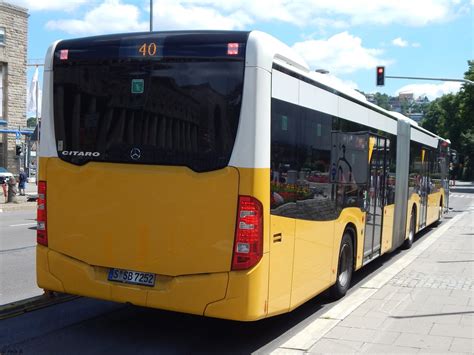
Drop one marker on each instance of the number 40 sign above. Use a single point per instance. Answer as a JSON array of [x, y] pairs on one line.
[[148, 49]]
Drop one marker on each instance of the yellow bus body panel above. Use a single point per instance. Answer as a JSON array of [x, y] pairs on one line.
[[433, 206], [282, 245], [165, 220], [247, 295], [194, 278], [44, 277], [387, 230], [314, 245], [247, 291], [316, 258]]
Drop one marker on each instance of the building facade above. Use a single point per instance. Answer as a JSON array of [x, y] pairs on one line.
[[13, 60]]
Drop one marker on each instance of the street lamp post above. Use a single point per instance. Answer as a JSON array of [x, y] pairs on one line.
[[38, 124], [151, 15]]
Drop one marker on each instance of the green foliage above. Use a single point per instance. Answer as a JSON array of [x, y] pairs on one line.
[[452, 116], [382, 100], [31, 122]]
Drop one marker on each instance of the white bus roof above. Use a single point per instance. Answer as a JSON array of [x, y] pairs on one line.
[[263, 50]]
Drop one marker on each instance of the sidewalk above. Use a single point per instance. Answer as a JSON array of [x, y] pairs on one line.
[[30, 190], [424, 302]]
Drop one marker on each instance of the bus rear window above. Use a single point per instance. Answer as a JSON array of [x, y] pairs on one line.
[[168, 110]]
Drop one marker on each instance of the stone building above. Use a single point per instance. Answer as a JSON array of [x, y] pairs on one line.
[[13, 51]]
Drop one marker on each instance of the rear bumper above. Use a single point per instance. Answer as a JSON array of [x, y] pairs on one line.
[[229, 295], [189, 294]]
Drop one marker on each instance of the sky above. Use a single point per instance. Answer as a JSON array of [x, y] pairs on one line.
[[349, 38]]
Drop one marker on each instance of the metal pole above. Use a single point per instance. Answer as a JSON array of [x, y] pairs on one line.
[[37, 120], [38, 64], [37, 101], [151, 15], [436, 79]]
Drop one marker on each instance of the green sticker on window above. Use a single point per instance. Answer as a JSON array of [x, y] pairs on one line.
[[318, 129], [284, 123], [138, 86]]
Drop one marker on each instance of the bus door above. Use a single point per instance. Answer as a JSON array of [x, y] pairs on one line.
[[375, 197], [424, 187]]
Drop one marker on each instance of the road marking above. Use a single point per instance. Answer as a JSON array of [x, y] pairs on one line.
[[16, 249], [23, 224], [313, 332], [462, 195]]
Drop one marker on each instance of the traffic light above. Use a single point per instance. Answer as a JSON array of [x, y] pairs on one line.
[[18, 149], [380, 74]]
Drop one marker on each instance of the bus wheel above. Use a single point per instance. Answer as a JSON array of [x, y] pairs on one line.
[[411, 234], [344, 268]]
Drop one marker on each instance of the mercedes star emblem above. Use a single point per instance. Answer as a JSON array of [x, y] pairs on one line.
[[135, 153]]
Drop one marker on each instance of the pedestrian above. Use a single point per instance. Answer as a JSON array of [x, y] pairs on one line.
[[3, 182], [452, 175], [22, 182]]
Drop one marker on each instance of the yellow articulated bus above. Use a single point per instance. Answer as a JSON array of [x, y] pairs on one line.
[[213, 173]]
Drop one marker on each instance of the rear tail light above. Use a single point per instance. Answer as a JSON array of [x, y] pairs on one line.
[[248, 244], [41, 219]]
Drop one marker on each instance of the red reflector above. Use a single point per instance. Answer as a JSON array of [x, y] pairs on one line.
[[41, 230], [248, 244], [63, 54], [232, 48]]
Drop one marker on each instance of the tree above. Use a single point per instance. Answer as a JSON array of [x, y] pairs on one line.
[[382, 100], [466, 113], [452, 116], [31, 122]]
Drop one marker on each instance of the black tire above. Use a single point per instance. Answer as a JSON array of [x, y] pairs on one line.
[[345, 267], [411, 232]]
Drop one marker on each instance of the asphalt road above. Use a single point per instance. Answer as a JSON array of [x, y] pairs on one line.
[[95, 327], [17, 256]]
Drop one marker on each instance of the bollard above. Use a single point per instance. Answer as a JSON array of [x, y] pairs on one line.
[[12, 191]]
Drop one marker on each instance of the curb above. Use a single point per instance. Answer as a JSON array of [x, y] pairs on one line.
[[17, 207], [34, 303]]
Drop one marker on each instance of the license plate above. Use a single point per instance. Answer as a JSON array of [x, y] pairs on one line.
[[132, 277]]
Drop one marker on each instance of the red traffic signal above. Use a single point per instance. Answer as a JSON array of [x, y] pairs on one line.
[[380, 75]]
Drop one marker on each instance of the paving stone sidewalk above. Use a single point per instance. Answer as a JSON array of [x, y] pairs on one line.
[[22, 201], [428, 307]]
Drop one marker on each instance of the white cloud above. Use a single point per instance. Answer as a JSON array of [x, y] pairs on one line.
[[354, 12], [174, 15], [122, 15], [399, 42], [341, 53], [49, 5], [110, 16], [432, 91]]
